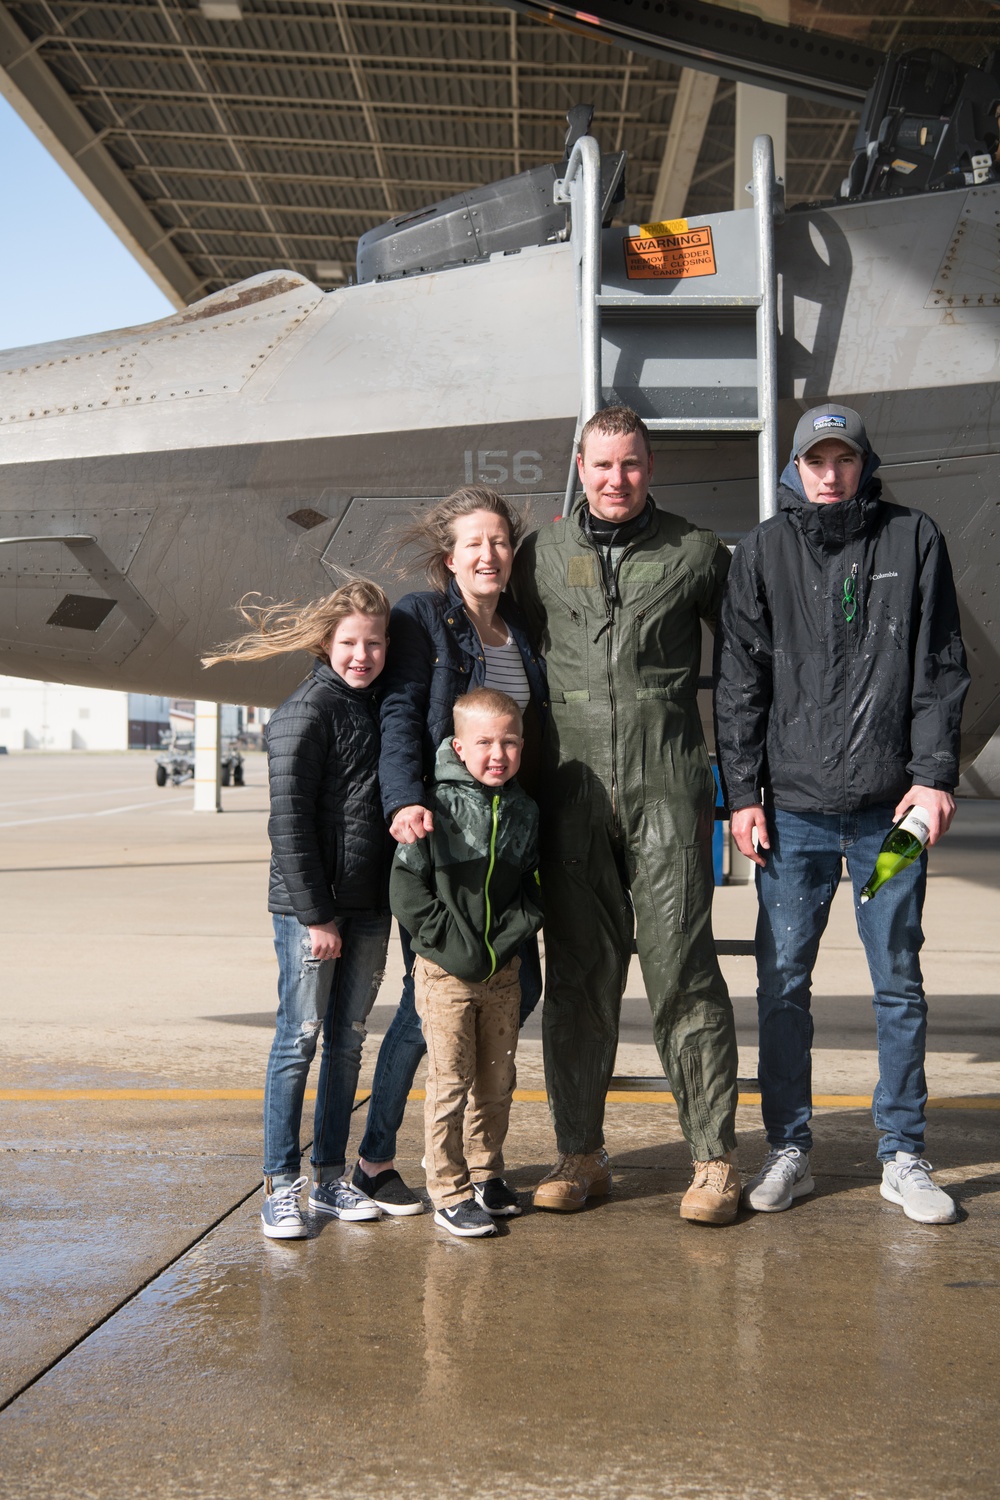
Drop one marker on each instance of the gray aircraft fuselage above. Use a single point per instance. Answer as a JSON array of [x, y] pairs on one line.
[[273, 434]]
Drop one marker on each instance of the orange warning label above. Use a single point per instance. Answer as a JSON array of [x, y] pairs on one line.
[[670, 257]]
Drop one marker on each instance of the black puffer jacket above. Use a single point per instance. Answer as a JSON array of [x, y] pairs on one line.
[[435, 655], [329, 847], [830, 714]]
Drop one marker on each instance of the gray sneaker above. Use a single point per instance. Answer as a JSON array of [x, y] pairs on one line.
[[342, 1201], [466, 1220], [785, 1175], [907, 1182], [281, 1216]]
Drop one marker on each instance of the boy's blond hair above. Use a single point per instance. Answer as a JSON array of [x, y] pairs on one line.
[[487, 703]]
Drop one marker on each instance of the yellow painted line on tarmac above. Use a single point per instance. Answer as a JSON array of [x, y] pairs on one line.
[[820, 1101], [116, 1096], [522, 1096]]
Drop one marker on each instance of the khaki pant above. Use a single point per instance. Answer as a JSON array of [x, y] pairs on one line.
[[471, 1035]]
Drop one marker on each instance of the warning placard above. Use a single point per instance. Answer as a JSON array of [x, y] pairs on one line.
[[670, 257]]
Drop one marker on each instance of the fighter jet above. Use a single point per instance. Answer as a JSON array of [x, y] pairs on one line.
[[273, 436]]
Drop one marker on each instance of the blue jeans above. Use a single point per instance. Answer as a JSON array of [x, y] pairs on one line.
[[403, 1046], [329, 995], [794, 892]]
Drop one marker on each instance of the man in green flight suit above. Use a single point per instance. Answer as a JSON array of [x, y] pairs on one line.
[[615, 596]]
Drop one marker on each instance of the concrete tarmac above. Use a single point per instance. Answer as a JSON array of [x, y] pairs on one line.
[[155, 1344]]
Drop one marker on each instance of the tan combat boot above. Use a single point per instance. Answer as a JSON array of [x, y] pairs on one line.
[[573, 1180], [714, 1195]]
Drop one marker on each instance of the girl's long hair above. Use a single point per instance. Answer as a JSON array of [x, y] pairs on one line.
[[432, 535], [280, 628]]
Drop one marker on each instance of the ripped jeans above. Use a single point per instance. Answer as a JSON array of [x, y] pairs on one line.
[[335, 996]]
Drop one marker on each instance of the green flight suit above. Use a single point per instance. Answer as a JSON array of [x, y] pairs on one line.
[[627, 801]]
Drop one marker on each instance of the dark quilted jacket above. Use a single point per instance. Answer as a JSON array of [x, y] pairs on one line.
[[329, 847], [435, 656]]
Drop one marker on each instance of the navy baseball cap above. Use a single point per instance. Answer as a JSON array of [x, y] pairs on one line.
[[822, 422]]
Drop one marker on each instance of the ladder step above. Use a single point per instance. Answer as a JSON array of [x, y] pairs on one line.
[[704, 424], [654, 302]]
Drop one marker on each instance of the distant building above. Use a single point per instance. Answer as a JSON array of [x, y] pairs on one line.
[[54, 716], [148, 717]]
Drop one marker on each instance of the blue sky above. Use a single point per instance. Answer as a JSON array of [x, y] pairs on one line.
[[63, 271]]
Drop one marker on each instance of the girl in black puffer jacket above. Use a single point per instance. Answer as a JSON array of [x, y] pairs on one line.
[[328, 890]]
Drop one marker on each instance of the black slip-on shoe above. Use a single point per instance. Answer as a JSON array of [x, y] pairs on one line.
[[388, 1190]]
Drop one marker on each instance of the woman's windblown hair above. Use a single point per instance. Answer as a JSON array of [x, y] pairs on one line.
[[432, 535], [277, 629]]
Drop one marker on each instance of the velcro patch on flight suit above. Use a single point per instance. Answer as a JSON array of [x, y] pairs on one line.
[[642, 571], [581, 573]]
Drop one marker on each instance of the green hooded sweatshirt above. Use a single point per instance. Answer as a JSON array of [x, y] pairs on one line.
[[468, 893]]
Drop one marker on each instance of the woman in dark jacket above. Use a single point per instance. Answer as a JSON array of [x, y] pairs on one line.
[[459, 635]]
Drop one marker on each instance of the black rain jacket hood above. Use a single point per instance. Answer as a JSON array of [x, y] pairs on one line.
[[825, 708]]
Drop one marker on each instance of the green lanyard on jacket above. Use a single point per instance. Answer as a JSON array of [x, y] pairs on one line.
[[486, 886]]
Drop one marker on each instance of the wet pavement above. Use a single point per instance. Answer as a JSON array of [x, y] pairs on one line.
[[155, 1344]]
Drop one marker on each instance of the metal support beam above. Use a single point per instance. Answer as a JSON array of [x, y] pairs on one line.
[[581, 189], [207, 757], [692, 108], [28, 85], [759, 112], [515, 93], [732, 44], [365, 104]]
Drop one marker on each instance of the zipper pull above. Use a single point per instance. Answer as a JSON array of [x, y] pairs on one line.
[[849, 601], [609, 617]]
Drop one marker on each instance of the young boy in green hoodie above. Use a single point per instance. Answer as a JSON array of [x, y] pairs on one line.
[[468, 896]]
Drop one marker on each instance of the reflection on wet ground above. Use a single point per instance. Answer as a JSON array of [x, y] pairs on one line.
[[156, 1345], [834, 1350]]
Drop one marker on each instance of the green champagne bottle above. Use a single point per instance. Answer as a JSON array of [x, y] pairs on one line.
[[903, 844]]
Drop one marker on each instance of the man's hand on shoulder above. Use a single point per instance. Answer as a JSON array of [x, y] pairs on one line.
[[940, 807], [742, 825], [411, 823]]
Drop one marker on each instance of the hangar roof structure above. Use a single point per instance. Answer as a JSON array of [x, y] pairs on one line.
[[221, 138]]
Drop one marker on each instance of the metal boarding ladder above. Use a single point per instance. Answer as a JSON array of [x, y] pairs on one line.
[[749, 291], [580, 188]]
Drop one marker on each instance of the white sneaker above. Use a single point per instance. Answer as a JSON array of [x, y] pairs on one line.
[[785, 1175], [907, 1181]]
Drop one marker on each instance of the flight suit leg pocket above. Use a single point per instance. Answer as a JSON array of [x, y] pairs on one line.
[[673, 887]]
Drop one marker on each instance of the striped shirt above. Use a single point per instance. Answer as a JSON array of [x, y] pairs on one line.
[[505, 673]]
